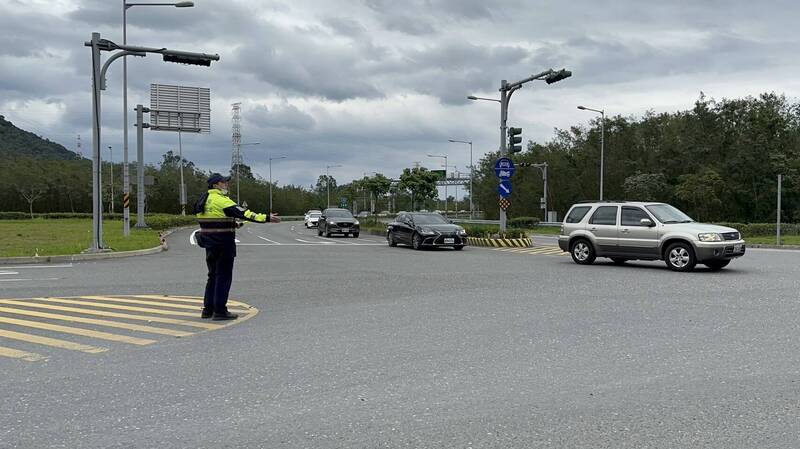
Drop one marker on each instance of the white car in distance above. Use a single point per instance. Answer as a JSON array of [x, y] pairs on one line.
[[312, 218]]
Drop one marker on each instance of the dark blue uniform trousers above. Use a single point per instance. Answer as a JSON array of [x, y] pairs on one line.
[[220, 277]]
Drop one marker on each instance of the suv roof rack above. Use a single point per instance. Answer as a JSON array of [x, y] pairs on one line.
[[603, 201]]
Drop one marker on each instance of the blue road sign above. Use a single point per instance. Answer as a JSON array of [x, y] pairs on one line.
[[504, 168], [504, 189]]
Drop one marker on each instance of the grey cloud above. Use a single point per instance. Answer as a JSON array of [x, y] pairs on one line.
[[283, 115], [395, 17], [345, 26]]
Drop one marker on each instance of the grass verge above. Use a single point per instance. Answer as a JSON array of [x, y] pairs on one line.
[[67, 236], [770, 240]]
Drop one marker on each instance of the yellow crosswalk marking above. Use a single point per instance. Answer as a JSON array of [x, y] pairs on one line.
[[105, 313], [77, 331], [118, 307], [150, 303], [48, 341], [192, 299], [107, 323], [23, 355]]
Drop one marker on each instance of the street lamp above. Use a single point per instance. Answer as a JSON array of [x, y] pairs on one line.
[[270, 180], [507, 89], [126, 181], [471, 173], [238, 163], [328, 181], [602, 142], [443, 156]]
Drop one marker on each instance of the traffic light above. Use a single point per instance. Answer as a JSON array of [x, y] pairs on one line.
[[558, 76], [185, 59], [514, 140]]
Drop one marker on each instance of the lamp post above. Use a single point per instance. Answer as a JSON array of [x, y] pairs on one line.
[[471, 173], [443, 156], [602, 142], [111, 163], [238, 163], [328, 181], [507, 89], [126, 181], [270, 180]]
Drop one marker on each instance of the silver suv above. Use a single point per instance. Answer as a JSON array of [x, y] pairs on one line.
[[625, 231]]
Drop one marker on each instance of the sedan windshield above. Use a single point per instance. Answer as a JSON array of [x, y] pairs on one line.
[[668, 214], [339, 213], [429, 219], [315, 214]]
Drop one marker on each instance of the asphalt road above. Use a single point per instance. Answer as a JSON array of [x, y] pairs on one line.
[[353, 344]]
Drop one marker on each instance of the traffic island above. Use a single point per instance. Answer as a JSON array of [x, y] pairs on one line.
[[498, 242]]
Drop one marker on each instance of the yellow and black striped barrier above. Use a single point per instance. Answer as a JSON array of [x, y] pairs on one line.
[[126, 200], [500, 243]]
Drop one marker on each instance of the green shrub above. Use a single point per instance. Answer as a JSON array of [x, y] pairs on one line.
[[763, 229], [489, 231], [162, 222], [523, 222]]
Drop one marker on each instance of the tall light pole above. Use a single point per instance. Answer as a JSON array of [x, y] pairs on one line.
[[111, 163], [126, 181], [270, 179], [328, 181], [602, 142], [444, 156], [507, 89], [238, 163], [471, 174]]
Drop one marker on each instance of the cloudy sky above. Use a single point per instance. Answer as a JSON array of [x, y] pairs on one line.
[[375, 85]]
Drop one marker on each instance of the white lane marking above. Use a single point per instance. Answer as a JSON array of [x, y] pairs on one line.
[[16, 280], [235, 240], [271, 241], [67, 265], [192, 238], [337, 241], [307, 244], [306, 241], [8, 272]]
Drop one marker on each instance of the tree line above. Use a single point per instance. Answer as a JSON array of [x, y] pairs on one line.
[[718, 161]]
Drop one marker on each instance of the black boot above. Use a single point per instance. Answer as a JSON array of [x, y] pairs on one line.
[[219, 316], [207, 313]]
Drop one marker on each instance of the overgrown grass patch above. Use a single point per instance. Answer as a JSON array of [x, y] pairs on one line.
[[67, 236]]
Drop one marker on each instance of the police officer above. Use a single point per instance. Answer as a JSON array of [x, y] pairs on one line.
[[217, 216]]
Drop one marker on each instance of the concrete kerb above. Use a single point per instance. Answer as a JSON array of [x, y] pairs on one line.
[[97, 256]]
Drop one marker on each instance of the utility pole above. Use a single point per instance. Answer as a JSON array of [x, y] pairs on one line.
[[183, 185], [543, 168], [236, 141], [111, 157], [778, 227], [140, 194], [328, 181]]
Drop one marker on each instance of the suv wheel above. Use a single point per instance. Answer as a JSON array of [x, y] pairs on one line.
[[582, 252], [716, 265], [319, 232], [680, 257]]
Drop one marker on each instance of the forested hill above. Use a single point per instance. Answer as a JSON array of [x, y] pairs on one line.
[[18, 143]]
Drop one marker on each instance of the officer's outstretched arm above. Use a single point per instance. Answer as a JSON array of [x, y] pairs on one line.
[[242, 213]]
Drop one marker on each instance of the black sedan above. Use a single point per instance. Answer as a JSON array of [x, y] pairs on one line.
[[338, 221], [420, 230]]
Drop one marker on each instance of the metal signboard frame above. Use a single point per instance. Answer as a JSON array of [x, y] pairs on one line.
[[180, 108]]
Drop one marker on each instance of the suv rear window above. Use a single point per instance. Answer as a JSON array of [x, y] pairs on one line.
[[605, 215], [577, 214]]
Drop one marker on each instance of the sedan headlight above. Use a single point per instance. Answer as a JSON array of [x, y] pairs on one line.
[[333, 223], [709, 237], [462, 232], [355, 222], [425, 231]]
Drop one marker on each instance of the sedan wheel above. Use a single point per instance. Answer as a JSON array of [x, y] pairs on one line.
[[680, 257], [416, 241], [390, 239]]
